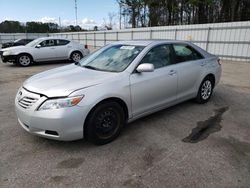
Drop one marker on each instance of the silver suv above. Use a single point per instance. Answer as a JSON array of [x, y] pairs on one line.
[[117, 84]]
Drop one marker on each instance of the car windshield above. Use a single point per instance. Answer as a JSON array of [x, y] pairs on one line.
[[18, 40], [33, 43], [115, 58]]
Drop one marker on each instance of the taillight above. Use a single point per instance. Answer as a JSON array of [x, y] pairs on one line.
[[86, 46], [218, 60]]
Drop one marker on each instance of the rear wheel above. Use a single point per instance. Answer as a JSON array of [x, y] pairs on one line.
[[105, 123], [24, 60], [76, 56], [205, 90]]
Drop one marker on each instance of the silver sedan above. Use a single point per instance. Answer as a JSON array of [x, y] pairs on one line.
[[117, 84], [44, 49]]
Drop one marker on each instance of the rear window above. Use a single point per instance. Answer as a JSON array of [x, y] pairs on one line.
[[62, 42], [185, 52]]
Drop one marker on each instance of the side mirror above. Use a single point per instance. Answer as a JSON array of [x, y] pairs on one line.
[[145, 67], [38, 46]]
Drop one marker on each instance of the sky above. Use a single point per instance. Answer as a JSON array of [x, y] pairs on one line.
[[90, 12]]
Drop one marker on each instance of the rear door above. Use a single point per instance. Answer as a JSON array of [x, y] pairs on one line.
[[189, 66], [62, 48]]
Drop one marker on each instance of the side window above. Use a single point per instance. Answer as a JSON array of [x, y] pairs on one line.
[[22, 41], [185, 52], [62, 42], [47, 43], [159, 56]]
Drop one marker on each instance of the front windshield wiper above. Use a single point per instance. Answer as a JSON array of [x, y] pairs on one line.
[[90, 67]]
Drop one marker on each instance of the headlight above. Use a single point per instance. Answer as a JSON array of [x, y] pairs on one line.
[[60, 103], [7, 52]]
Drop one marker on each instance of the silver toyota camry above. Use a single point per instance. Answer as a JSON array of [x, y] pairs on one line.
[[119, 83]]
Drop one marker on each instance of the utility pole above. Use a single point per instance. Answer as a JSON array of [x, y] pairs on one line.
[[60, 25], [76, 10], [120, 14]]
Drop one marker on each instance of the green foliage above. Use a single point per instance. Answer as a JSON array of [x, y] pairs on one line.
[[31, 27], [11, 27]]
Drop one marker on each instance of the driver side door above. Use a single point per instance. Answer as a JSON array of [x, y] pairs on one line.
[[46, 51], [153, 90]]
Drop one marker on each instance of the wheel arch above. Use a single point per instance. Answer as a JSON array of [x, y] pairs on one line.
[[25, 53], [75, 50], [118, 100], [212, 77]]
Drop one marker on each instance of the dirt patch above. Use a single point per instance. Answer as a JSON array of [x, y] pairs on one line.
[[70, 163], [132, 183], [15, 79], [207, 127], [57, 179]]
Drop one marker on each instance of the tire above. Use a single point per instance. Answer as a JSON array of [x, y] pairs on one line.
[[205, 91], [104, 123], [24, 60], [76, 56]]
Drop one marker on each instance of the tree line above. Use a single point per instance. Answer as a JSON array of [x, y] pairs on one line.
[[146, 13], [35, 27]]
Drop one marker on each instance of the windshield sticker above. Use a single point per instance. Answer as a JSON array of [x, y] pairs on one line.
[[127, 47]]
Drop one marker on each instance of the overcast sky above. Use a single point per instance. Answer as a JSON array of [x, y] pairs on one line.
[[90, 12]]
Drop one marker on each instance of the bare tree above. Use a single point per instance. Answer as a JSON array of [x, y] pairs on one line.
[[109, 23]]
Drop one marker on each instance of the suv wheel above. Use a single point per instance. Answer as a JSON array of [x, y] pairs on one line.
[[105, 123]]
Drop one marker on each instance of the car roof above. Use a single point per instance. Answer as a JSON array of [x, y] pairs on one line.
[[162, 41], [45, 38], [148, 42]]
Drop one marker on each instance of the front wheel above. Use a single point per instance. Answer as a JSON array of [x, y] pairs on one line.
[[205, 91], [24, 60], [76, 56], [105, 123]]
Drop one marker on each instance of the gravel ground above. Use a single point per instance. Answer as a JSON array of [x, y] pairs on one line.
[[188, 145]]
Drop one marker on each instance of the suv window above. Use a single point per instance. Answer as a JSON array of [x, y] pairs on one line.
[[62, 42], [47, 43], [185, 52], [159, 56]]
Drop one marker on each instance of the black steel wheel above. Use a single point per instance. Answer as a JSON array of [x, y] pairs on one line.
[[105, 123]]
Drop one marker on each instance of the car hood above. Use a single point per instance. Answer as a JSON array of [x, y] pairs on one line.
[[64, 80], [15, 48]]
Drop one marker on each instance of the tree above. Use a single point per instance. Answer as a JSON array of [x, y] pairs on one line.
[[110, 23], [173, 12], [11, 27]]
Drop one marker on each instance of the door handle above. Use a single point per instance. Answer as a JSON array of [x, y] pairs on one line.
[[172, 72]]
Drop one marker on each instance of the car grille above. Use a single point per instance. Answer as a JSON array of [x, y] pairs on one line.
[[27, 102]]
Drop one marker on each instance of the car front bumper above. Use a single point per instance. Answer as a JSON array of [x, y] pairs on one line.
[[8, 58], [64, 124]]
